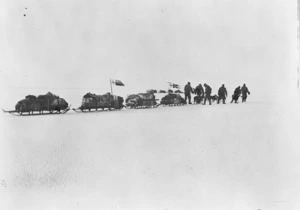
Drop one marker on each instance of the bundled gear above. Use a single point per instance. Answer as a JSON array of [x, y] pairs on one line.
[[48, 102], [92, 101], [141, 100], [198, 99], [172, 99], [151, 91]]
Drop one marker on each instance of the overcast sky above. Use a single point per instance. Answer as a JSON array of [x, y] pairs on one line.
[[70, 44]]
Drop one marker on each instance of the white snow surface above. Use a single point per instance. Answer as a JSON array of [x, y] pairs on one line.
[[233, 157]]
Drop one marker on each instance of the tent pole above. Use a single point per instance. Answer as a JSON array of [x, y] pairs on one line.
[[111, 90]]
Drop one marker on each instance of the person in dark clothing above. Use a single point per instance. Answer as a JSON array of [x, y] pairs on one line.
[[245, 91], [236, 95], [187, 92], [207, 94], [222, 94], [199, 90]]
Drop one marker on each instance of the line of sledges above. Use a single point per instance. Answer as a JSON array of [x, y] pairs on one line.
[[52, 104]]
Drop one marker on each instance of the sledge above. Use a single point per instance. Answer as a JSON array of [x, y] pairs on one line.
[[80, 110], [141, 101], [40, 105], [99, 103], [127, 106], [35, 113], [172, 105]]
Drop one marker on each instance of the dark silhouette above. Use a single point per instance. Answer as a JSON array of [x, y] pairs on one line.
[[245, 91], [187, 92], [236, 95], [198, 99], [214, 98], [207, 94], [222, 94], [199, 91]]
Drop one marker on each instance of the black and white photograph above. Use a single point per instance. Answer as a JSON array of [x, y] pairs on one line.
[[150, 104]]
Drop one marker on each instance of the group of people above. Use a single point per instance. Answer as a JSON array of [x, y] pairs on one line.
[[205, 93]]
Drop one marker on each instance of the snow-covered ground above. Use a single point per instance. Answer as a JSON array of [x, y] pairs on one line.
[[219, 157], [233, 157]]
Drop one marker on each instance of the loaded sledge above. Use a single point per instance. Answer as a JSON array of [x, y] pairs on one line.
[[40, 105], [95, 103], [172, 99], [141, 101]]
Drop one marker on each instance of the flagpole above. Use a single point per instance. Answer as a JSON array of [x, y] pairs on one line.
[[111, 91]]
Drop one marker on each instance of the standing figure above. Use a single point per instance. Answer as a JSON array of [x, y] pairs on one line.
[[187, 92], [207, 94], [236, 95], [245, 91], [222, 94], [199, 91]]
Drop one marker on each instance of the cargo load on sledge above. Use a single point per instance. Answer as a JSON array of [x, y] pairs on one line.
[[49, 103], [141, 100], [172, 99], [94, 102]]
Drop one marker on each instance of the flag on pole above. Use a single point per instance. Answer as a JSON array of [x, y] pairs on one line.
[[115, 82], [173, 85], [118, 82]]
